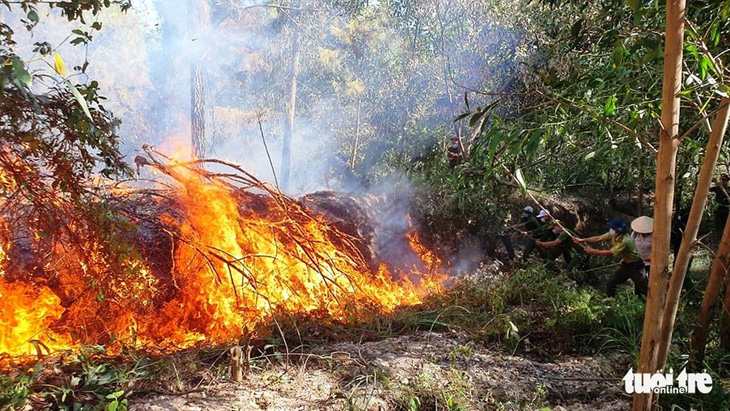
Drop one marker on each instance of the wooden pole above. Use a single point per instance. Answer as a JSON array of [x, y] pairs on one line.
[[665, 179]]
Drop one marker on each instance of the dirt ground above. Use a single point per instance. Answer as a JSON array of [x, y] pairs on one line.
[[424, 371]]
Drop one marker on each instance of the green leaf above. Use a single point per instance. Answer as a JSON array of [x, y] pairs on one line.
[[710, 63], [705, 63], [33, 16], [521, 181], [692, 49], [618, 56], [715, 35], [575, 30], [686, 92], [20, 72], [473, 120], [460, 116], [37, 369], [466, 99], [494, 144], [484, 126], [80, 99], [610, 106]]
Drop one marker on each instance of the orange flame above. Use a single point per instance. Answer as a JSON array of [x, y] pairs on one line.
[[236, 260]]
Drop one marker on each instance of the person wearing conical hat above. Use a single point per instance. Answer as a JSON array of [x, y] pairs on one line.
[[642, 229], [623, 247]]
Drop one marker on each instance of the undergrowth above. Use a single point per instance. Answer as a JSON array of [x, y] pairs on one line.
[[529, 310]]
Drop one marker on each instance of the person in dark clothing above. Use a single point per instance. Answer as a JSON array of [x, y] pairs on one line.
[[722, 203], [679, 222], [454, 154], [562, 244], [528, 223], [491, 245], [540, 229], [545, 231], [623, 247]]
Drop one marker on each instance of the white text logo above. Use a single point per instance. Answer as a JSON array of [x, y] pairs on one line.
[[660, 383]]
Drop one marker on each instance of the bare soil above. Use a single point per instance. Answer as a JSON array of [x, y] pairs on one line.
[[425, 371]]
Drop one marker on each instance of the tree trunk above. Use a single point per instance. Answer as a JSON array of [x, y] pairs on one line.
[[665, 178], [689, 237], [712, 293], [290, 110], [200, 24], [197, 115]]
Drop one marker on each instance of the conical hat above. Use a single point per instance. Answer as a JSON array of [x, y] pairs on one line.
[[643, 225]]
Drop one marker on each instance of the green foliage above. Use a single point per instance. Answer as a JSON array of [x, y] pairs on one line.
[[621, 326], [424, 392], [56, 138], [14, 391], [85, 382], [717, 399], [593, 102]]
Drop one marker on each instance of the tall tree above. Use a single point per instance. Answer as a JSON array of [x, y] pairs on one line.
[[200, 24], [664, 194], [291, 107]]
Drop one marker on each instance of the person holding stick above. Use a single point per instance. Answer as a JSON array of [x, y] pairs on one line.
[[563, 244], [623, 247], [529, 223], [542, 231]]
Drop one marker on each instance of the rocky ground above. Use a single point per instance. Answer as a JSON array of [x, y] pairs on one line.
[[424, 371]]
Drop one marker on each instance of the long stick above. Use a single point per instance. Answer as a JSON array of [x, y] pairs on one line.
[[601, 268], [541, 206]]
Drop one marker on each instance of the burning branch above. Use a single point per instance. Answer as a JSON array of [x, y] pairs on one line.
[[214, 254]]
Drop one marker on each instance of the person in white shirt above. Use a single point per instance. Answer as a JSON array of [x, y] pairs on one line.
[[643, 227]]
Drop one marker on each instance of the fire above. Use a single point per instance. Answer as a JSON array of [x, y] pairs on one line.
[[236, 257]]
